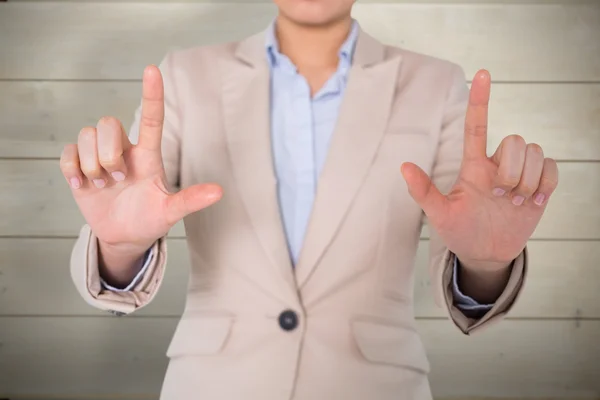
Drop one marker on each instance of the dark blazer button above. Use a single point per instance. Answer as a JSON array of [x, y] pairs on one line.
[[117, 313], [288, 320]]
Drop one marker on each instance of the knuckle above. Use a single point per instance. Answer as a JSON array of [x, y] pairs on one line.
[[108, 119], [87, 133], [109, 126], [90, 168], [68, 151], [516, 139], [526, 189], [90, 172], [551, 164], [110, 161], [535, 149], [508, 181], [69, 158], [68, 164], [478, 130], [481, 130], [550, 174], [150, 122], [548, 182]]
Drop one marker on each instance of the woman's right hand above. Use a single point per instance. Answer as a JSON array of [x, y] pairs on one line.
[[121, 188]]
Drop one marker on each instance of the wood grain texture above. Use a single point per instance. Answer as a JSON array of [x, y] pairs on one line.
[[38, 118], [564, 281], [65, 64], [106, 356], [155, 397], [36, 201], [553, 42], [543, 2]]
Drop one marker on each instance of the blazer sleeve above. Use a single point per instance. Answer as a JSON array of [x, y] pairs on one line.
[[84, 256], [442, 261]]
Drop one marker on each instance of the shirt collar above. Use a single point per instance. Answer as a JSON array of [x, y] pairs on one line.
[[346, 51]]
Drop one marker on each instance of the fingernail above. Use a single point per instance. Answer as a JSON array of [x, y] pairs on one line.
[[539, 199], [99, 183], [118, 176], [518, 200], [499, 192], [75, 183]]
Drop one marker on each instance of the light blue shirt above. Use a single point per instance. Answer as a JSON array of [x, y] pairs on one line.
[[301, 129]]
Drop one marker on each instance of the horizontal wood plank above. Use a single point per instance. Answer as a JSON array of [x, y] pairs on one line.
[[564, 281], [53, 345], [362, 1], [105, 356], [36, 201], [38, 118], [552, 42], [155, 397]]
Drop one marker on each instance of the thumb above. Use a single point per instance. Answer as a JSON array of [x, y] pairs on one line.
[[190, 200], [422, 190]]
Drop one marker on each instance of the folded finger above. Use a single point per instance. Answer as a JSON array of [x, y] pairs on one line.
[[111, 147], [88, 157], [548, 182], [530, 177], [510, 158], [69, 165]]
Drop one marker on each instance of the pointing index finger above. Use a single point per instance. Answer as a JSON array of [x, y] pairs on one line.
[[476, 121], [153, 109]]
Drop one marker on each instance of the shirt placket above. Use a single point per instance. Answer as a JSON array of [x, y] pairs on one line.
[[301, 144]]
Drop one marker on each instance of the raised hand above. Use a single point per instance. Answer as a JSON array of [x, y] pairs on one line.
[[498, 201], [121, 188]]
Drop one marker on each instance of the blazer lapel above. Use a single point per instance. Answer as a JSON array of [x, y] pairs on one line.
[[361, 125], [246, 104]]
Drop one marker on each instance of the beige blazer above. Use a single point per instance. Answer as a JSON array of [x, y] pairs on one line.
[[352, 290]]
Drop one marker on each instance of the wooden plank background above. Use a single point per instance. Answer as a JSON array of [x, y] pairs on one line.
[[65, 64], [522, 362], [517, 43]]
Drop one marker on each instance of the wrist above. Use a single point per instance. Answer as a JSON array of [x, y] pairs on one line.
[[122, 250], [484, 266]]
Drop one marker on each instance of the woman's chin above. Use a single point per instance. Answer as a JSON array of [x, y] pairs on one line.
[[313, 12]]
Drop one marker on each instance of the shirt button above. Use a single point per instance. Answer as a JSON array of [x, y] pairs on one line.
[[288, 320]]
